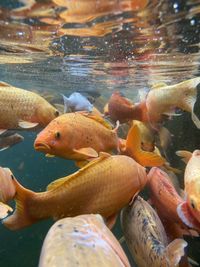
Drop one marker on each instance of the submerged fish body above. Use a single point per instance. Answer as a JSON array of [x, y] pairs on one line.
[[23, 109], [10, 140], [82, 241], [77, 102], [76, 136], [163, 99], [103, 186], [122, 109], [163, 195], [191, 182], [147, 136], [146, 237]]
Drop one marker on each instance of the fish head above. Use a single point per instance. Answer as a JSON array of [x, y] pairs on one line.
[[7, 188], [54, 139], [45, 113], [194, 205]]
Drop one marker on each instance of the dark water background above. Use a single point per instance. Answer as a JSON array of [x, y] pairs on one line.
[[59, 47]]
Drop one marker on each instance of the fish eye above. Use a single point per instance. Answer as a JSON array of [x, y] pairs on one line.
[[192, 204], [56, 113], [57, 135]]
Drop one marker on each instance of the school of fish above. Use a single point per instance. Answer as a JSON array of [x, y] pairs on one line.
[[114, 170]]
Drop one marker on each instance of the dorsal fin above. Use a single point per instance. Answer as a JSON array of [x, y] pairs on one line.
[[184, 154], [4, 84], [97, 119], [60, 181], [158, 85]]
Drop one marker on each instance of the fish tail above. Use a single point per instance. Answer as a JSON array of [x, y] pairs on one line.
[[145, 158], [175, 251], [20, 218]]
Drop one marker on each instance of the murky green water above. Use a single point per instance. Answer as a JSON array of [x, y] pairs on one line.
[[58, 47]]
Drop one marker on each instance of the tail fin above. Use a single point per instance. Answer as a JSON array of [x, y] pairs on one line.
[[20, 218], [175, 251], [133, 147]]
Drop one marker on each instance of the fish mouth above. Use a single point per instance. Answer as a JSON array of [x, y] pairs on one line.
[[42, 146]]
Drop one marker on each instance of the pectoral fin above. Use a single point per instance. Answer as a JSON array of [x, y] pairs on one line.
[[4, 148], [87, 151], [49, 155], [184, 154], [2, 131], [27, 124], [4, 210], [175, 251]]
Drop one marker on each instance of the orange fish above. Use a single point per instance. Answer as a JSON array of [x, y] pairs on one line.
[[122, 109], [82, 240], [132, 148], [163, 100], [77, 136], [80, 136], [103, 186], [166, 200], [23, 109], [191, 183]]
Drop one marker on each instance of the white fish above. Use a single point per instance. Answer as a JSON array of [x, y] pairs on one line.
[[76, 102]]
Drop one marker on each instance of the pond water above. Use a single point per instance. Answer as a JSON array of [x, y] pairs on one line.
[[94, 47]]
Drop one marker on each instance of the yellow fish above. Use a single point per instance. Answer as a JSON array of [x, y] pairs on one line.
[[103, 186], [23, 109], [163, 99]]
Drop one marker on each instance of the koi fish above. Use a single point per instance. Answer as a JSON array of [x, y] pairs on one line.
[[122, 109], [146, 237], [80, 136], [77, 102], [132, 148], [9, 140], [191, 184], [23, 109], [83, 240], [77, 136], [166, 200], [7, 191], [103, 186], [147, 136], [164, 99]]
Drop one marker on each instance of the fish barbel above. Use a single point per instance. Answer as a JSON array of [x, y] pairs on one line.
[[83, 240], [146, 237], [103, 186], [23, 109]]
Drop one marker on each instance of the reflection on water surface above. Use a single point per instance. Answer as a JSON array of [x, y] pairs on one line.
[[62, 46]]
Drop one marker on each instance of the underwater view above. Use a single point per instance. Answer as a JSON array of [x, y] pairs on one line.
[[99, 133]]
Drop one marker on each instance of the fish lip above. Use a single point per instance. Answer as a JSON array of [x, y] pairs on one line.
[[40, 146]]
